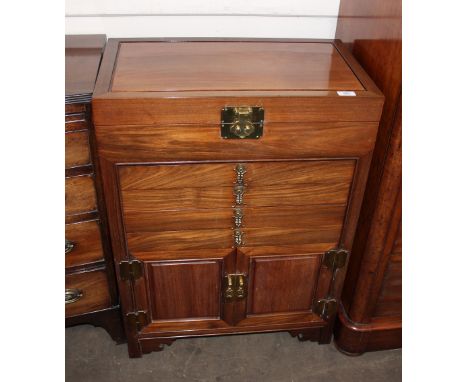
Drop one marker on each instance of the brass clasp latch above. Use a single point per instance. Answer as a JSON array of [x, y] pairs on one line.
[[235, 287], [242, 122]]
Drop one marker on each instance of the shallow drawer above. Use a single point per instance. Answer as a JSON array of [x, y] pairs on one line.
[[153, 220], [74, 122], [84, 243], [74, 108], [87, 292], [77, 149], [224, 238], [147, 177], [80, 195]]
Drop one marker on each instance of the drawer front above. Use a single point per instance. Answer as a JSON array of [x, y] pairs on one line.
[[127, 144], [92, 292], [77, 151], [305, 205], [80, 195], [75, 122], [85, 243]]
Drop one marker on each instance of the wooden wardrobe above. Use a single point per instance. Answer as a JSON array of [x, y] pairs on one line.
[[370, 317]]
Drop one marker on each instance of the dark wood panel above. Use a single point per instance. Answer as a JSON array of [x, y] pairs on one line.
[[80, 195], [86, 238], [77, 149], [285, 284], [291, 217], [170, 176], [93, 286], [372, 31], [280, 141], [183, 290], [74, 108]]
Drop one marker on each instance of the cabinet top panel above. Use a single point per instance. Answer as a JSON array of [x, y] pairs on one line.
[[163, 66]]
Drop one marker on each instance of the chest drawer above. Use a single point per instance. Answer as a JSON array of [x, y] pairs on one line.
[[86, 292], [83, 243], [77, 149], [80, 195]]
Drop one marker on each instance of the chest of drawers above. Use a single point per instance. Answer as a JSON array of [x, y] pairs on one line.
[[91, 295], [233, 173]]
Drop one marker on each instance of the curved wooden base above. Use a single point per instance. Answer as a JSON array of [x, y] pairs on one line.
[[109, 319], [355, 339]]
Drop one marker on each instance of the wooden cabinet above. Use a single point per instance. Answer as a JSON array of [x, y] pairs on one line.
[[371, 314], [234, 173], [91, 295]]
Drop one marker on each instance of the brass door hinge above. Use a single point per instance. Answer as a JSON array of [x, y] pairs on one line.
[[131, 270], [235, 287], [137, 320], [325, 308], [335, 258]]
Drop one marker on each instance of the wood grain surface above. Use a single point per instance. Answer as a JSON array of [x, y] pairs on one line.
[[77, 149], [80, 195], [86, 238], [185, 66], [95, 292]]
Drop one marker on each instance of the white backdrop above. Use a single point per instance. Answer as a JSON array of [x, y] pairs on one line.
[[203, 18]]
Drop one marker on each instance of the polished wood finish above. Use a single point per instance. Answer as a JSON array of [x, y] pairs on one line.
[[86, 238], [270, 275], [77, 149], [80, 195], [195, 285], [371, 316], [168, 177], [163, 67], [89, 264], [95, 291]]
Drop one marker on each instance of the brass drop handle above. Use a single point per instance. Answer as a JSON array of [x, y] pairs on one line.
[[69, 245], [240, 291], [238, 237], [239, 194], [240, 172], [238, 215], [72, 295], [229, 291]]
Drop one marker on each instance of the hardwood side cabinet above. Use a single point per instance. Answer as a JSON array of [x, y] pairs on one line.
[[234, 173], [91, 295], [370, 317]]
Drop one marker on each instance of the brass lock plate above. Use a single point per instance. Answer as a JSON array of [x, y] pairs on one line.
[[242, 122]]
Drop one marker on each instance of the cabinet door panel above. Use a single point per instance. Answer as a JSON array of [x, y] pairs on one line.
[[282, 284], [184, 286], [185, 290]]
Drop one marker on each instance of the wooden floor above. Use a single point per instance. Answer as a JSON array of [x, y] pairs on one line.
[[92, 356]]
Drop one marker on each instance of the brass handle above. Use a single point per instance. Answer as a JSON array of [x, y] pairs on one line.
[[229, 291], [72, 295], [69, 245], [238, 237], [238, 215], [240, 291], [239, 194], [240, 172]]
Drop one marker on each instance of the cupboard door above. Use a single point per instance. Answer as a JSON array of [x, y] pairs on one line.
[[283, 285], [183, 286]]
